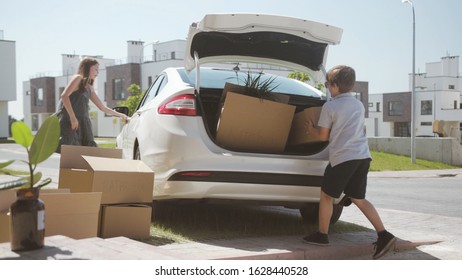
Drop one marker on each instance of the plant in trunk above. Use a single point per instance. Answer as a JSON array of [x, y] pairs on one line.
[[257, 86]]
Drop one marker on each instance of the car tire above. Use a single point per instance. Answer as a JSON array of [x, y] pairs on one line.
[[310, 213]]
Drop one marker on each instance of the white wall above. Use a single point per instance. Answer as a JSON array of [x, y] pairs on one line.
[[7, 82]]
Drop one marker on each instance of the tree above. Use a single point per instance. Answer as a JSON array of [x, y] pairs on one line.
[[301, 76], [306, 77], [133, 100]]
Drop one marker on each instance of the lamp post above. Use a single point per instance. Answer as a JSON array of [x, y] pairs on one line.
[[413, 129]]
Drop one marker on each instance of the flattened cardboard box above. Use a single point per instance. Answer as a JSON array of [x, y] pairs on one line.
[[252, 124], [119, 180], [71, 214], [128, 220], [298, 133]]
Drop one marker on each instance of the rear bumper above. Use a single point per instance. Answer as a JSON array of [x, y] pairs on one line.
[[248, 178]]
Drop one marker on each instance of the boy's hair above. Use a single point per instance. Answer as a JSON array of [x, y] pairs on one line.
[[343, 76]]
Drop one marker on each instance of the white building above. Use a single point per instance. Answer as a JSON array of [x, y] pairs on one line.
[[437, 97], [7, 81]]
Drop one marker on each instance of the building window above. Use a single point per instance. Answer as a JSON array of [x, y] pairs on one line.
[[378, 107], [402, 130], [395, 108], [118, 92], [172, 55], [149, 81], [451, 87], [35, 122], [426, 107], [371, 104], [38, 97]]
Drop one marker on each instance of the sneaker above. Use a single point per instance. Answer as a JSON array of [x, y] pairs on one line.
[[317, 238], [384, 243]]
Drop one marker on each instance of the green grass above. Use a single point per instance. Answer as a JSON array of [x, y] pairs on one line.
[[390, 162], [178, 223]]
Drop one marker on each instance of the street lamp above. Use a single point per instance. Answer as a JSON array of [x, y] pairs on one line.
[[413, 83]]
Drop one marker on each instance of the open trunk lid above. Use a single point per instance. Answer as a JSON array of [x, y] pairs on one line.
[[268, 39]]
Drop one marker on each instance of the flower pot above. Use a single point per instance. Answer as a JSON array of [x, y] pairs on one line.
[[27, 221]]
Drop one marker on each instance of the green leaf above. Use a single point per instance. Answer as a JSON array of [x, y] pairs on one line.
[[46, 141], [5, 164], [13, 184], [22, 134], [43, 183]]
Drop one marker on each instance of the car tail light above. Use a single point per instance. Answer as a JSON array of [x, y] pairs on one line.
[[184, 104]]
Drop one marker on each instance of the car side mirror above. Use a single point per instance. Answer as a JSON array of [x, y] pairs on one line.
[[121, 109]]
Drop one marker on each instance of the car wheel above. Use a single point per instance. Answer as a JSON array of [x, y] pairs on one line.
[[310, 213]]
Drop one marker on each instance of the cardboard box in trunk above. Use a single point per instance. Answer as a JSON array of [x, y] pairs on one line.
[[298, 131], [91, 169], [129, 220], [254, 125]]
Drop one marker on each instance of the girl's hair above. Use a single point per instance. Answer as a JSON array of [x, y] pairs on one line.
[[343, 76], [84, 71]]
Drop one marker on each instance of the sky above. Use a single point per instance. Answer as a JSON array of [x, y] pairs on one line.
[[376, 41]]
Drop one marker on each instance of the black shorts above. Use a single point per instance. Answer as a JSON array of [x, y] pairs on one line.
[[349, 177]]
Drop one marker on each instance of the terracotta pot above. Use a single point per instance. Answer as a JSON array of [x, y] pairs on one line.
[[27, 221]]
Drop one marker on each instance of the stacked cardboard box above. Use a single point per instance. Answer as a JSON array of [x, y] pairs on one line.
[[126, 188]]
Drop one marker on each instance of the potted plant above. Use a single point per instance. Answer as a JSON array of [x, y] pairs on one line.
[[28, 211]]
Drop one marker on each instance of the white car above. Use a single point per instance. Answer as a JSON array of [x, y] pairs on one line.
[[173, 129]]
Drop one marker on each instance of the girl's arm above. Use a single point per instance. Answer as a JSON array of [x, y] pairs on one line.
[[95, 99]]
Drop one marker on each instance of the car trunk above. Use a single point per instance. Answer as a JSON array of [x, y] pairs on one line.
[[210, 104], [285, 42]]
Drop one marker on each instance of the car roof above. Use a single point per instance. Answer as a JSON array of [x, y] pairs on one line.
[[255, 38]]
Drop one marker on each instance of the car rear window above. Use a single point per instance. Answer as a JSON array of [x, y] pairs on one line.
[[216, 79]]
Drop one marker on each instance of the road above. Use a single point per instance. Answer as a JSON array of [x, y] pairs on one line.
[[435, 196]]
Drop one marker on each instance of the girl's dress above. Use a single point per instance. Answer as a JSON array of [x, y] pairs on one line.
[[83, 136]]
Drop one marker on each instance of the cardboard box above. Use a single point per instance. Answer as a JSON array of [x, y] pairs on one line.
[[75, 215], [7, 197], [254, 125], [298, 131], [71, 214], [128, 220], [91, 169]]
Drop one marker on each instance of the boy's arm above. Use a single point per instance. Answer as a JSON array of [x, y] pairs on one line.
[[320, 133]]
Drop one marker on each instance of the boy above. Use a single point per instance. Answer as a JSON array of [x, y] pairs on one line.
[[342, 124]]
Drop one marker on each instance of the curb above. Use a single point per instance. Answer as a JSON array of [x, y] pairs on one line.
[[332, 252]]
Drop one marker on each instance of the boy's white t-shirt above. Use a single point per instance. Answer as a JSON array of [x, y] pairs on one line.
[[344, 116]]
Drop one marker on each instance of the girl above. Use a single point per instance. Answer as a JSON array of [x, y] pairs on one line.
[[76, 128]]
